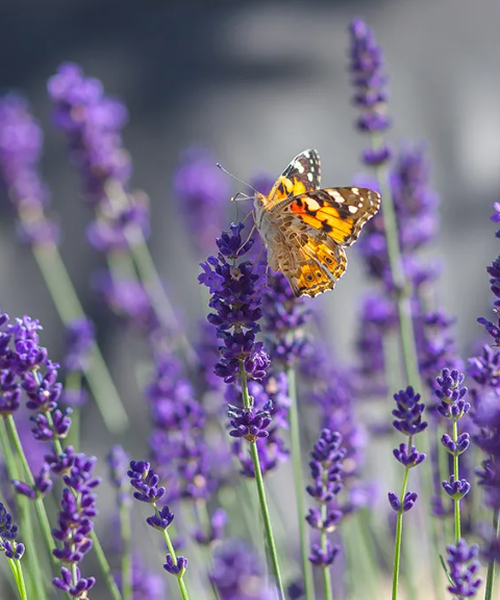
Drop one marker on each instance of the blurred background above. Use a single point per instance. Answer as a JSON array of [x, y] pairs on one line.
[[256, 83]]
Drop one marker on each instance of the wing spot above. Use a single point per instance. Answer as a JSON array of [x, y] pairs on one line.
[[353, 209], [336, 196], [355, 190], [310, 176]]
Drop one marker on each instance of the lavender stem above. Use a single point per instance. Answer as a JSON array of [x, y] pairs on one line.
[[299, 485], [68, 306]]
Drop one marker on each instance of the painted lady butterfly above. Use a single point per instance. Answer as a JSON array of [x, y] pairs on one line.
[[305, 228]]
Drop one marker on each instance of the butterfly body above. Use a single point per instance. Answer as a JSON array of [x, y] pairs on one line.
[[305, 229]]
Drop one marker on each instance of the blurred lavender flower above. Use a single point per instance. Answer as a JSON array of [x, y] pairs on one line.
[[78, 507], [463, 569], [494, 271], [127, 298], [326, 472], [202, 190], [21, 141], [8, 535], [118, 461], [237, 574], [80, 338], [235, 297], [146, 585], [333, 390], [284, 319], [369, 82], [178, 447], [92, 123]]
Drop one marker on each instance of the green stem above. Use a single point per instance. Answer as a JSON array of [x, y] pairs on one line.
[[399, 533], [43, 519], [105, 568], [259, 480], [299, 485], [171, 550], [101, 557], [148, 273], [402, 286], [490, 577], [456, 475], [126, 565], [327, 581], [69, 308], [17, 571]]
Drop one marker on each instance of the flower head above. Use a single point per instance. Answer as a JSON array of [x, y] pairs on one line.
[[21, 141], [202, 190], [369, 82], [235, 288]]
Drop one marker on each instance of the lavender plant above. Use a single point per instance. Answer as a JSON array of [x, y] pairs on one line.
[[228, 409]]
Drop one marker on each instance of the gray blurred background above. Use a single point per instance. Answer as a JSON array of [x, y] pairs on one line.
[[257, 82]]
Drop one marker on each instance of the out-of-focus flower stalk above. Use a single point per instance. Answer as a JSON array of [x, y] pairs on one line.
[[369, 82], [93, 123], [20, 150], [261, 491], [298, 479]]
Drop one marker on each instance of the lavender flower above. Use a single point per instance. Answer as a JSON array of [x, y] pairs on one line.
[[118, 461], [202, 190], [326, 473], [146, 585], [250, 423], [145, 481], [80, 337], [268, 414], [369, 82], [463, 570], [8, 535], [235, 297], [237, 574], [21, 142], [284, 320], [178, 447], [408, 422], [78, 507], [334, 391], [92, 123]]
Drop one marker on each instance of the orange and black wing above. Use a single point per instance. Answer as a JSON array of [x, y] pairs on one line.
[[302, 175]]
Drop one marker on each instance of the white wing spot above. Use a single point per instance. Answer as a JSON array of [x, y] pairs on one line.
[[299, 166], [353, 210], [336, 196], [307, 154], [355, 190], [310, 176], [360, 205]]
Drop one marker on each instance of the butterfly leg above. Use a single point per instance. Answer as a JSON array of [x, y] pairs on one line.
[[254, 227]]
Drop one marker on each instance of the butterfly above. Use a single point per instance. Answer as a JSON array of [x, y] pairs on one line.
[[305, 229]]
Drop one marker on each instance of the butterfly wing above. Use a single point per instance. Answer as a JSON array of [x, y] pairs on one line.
[[302, 175], [320, 264], [314, 227], [339, 213]]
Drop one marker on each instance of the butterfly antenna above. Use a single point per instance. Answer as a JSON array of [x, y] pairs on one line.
[[239, 180]]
